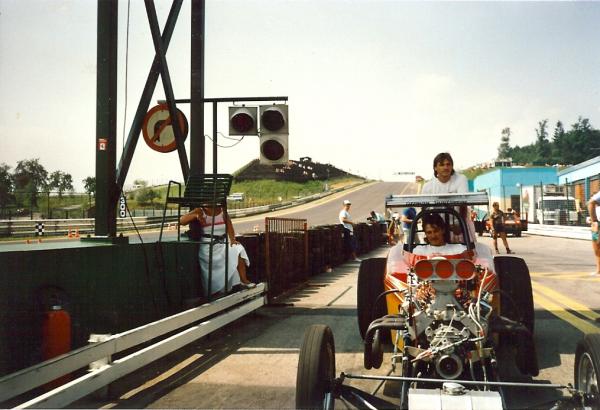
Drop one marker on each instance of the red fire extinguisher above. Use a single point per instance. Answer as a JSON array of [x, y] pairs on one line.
[[56, 338]]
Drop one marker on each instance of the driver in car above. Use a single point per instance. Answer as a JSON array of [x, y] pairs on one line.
[[435, 230]]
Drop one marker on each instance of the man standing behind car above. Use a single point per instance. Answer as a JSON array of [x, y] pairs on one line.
[[448, 181], [594, 210], [348, 225]]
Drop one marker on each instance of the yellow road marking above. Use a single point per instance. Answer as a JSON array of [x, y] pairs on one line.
[[579, 276], [558, 311], [566, 274], [567, 302]]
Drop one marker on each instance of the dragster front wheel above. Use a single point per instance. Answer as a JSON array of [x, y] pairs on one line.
[[316, 369]]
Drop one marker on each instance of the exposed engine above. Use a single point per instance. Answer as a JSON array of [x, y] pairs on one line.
[[446, 326]]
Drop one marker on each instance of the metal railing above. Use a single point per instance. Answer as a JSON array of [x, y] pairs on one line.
[[17, 228], [228, 308]]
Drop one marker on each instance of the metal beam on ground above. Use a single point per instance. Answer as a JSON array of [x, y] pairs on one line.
[[27, 379], [68, 393]]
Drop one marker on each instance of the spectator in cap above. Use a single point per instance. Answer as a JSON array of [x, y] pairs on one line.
[[348, 226]]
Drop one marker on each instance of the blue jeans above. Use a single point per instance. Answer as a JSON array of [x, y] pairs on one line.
[[349, 241]]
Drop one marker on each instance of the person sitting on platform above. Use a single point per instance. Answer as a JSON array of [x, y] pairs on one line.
[[201, 221], [435, 234]]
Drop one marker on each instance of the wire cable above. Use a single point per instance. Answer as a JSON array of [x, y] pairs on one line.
[[146, 264], [226, 146]]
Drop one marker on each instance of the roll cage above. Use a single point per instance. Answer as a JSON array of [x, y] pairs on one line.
[[443, 204]]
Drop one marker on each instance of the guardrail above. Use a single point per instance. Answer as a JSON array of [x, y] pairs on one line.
[[559, 231], [228, 309], [63, 227], [25, 228]]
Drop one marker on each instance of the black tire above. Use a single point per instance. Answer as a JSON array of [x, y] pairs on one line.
[[587, 365], [518, 234], [316, 367], [516, 299], [370, 285], [516, 303]]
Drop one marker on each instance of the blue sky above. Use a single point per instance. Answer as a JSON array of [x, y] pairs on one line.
[[374, 87]]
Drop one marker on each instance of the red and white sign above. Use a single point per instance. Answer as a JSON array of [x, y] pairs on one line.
[[157, 129], [102, 143]]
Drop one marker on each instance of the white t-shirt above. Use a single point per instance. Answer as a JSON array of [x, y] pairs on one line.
[[346, 215], [447, 249], [455, 185]]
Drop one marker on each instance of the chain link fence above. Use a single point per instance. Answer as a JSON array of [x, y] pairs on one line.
[[554, 204]]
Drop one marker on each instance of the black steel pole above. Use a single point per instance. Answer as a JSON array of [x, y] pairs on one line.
[[215, 137], [106, 117], [197, 144]]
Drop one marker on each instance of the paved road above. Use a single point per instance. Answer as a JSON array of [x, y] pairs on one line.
[[252, 363], [365, 198]]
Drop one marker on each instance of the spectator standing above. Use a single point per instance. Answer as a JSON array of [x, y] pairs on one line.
[[497, 217], [407, 218], [594, 210], [393, 230], [348, 225], [376, 218]]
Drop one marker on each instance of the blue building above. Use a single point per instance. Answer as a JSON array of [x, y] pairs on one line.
[[583, 177], [504, 185]]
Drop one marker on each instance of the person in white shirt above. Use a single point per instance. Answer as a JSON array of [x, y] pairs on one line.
[[448, 181], [348, 225], [435, 233]]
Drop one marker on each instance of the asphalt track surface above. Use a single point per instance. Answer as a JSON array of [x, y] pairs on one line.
[[364, 198], [252, 362]]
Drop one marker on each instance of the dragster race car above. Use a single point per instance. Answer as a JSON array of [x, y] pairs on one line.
[[445, 318]]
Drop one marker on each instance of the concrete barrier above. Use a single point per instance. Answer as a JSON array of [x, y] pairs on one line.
[[560, 231]]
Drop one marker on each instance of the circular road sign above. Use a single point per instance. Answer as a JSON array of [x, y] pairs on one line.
[[158, 129]]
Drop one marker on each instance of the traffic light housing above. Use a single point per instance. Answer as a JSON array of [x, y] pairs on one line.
[[243, 120], [274, 131]]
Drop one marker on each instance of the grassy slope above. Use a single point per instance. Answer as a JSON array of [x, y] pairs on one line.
[[259, 192]]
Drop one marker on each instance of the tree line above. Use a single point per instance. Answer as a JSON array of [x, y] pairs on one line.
[[576, 145], [23, 185]]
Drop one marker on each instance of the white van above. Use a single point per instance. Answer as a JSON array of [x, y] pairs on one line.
[[556, 210], [236, 196]]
